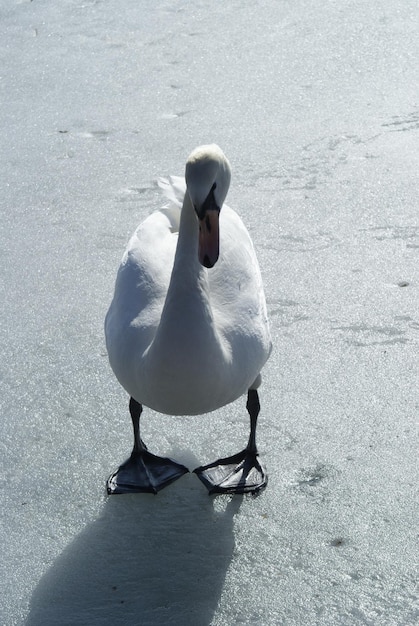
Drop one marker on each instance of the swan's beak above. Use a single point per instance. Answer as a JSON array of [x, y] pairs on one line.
[[209, 238]]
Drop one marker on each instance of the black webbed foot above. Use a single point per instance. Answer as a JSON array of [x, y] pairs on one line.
[[242, 472], [143, 472]]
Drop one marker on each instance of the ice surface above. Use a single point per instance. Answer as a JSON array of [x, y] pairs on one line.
[[316, 106]]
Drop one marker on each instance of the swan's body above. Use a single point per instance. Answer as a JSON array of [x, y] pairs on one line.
[[182, 338], [199, 344]]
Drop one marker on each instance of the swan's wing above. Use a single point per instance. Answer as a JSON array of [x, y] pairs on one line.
[[144, 273], [141, 286], [143, 278], [140, 290], [237, 291]]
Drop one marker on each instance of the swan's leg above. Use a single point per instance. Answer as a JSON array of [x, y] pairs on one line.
[[243, 472], [143, 472]]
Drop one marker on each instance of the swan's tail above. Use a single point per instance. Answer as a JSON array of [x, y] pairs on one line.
[[173, 188]]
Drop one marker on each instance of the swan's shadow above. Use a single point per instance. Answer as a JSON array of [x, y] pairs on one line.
[[147, 560]]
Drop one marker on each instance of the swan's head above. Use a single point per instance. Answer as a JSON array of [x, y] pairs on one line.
[[207, 177]]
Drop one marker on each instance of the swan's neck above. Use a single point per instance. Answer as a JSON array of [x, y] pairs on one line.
[[186, 257], [187, 308]]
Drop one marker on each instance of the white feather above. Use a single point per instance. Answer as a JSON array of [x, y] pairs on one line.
[[183, 339]]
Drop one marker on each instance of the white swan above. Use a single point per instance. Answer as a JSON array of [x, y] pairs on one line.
[[187, 331]]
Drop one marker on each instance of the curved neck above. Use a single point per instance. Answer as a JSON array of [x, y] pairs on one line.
[[187, 301], [187, 246]]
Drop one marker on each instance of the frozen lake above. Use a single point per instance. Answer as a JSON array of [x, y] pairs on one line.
[[316, 106]]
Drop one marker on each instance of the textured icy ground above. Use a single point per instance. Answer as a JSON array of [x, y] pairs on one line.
[[316, 105]]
